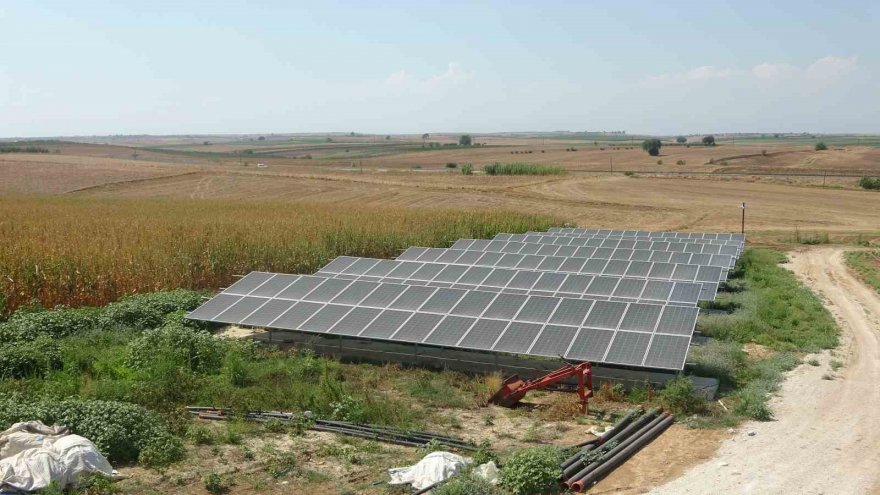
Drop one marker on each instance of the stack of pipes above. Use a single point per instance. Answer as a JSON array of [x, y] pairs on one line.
[[597, 458]]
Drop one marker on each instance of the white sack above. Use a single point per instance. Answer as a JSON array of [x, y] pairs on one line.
[[489, 472], [433, 468]]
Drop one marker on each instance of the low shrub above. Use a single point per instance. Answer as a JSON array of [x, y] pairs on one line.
[[123, 432], [820, 146], [870, 183], [467, 169], [451, 165], [532, 471], [680, 162], [30, 358], [680, 397], [143, 311], [194, 349]]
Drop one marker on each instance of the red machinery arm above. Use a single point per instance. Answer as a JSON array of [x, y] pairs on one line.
[[515, 388]]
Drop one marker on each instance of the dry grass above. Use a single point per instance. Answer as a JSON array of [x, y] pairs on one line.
[[79, 251]]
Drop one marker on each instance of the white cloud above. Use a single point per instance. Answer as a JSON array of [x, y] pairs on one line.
[[830, 68], [454, 75], [773, 71], [822, 71]]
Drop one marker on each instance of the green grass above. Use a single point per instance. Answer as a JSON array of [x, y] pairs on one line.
[[867, 265], [772, 308], [499, 168], [768, 306]]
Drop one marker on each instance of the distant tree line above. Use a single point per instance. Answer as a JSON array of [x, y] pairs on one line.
[[23, 149]]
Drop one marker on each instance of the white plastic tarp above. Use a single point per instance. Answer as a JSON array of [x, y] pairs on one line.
[[433, 468], [33, 455]]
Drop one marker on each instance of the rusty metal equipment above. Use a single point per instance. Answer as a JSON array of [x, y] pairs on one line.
[[515, 388]]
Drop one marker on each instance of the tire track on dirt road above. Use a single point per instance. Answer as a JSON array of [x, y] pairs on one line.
[[825, 438]]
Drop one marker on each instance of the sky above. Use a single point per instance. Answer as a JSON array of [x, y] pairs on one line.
[[187, 67]]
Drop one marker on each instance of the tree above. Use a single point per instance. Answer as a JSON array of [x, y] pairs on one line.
[[387, 138], [465, 140], [681, 140], [425, 136], [261, 138], [652, 146], [709, 140], [820, 146]]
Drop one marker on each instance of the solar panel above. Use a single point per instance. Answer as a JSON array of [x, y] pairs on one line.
[[517, 338], [267, 313], [240, 309], [450, 330], [553, 341], [483, 334], [538, 309], [355, 321], [325, 318], [385, 324], [417, 328], [274, 285], [295, 316]]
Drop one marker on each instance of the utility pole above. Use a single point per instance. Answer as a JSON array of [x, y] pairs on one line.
[[743, 207]]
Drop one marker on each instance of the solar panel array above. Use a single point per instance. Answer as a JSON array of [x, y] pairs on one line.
[[464, 277], [623, 253], [629, 304], [707, 276]]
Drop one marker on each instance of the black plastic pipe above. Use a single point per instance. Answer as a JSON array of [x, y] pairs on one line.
[[572, 481], [569, 472], [624, 454], [625, 420]]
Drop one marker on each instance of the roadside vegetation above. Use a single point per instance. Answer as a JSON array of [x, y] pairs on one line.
[[499, 168], [778, 319], [87, 252], [867, 265]]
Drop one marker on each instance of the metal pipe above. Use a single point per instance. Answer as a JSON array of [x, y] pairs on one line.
[[624, 454], [620, 436], [572, 481]]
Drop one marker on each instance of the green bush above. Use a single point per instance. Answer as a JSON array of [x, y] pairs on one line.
[[143, 311], [196, 350], [680, 397], [820, 146], [467, 169], [499, 168], [532, 471], [214, 484], [451, 165], [123, 432], [138, 312], [870, 183], [680, 162], [29, 358]]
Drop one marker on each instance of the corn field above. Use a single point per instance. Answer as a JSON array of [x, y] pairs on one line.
[[86, 252]]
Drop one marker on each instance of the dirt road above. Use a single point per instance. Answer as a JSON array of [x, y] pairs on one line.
[[826, 436]]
